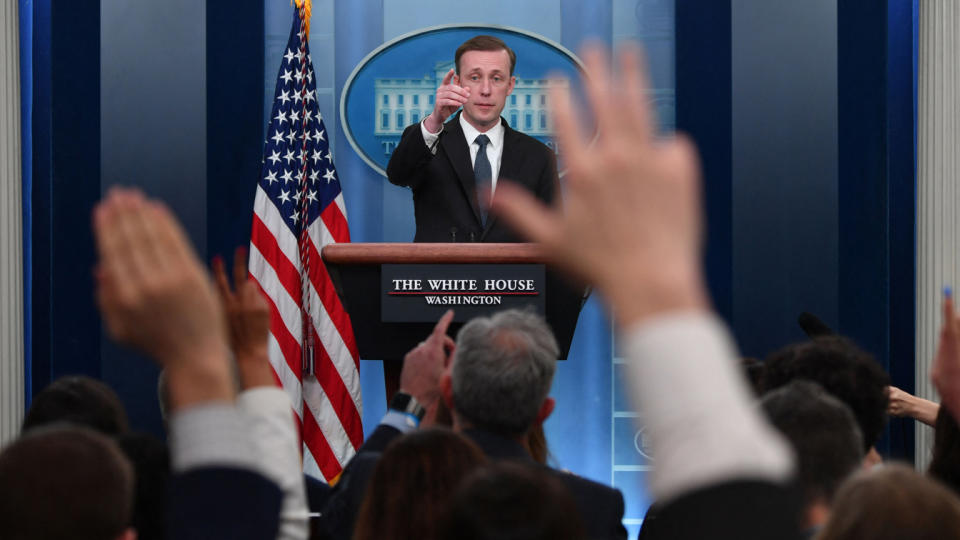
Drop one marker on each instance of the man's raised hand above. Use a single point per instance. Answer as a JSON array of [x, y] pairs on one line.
[[425, 364], [631, 218], [154, 295], [450, 97]]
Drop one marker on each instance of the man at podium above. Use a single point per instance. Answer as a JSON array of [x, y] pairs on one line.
[[453, 167]]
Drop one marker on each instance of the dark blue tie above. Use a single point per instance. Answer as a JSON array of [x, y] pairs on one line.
[[483, 174]]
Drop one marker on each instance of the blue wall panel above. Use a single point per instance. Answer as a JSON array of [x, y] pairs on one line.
[[153, 135], [704, 101], [784, 163]]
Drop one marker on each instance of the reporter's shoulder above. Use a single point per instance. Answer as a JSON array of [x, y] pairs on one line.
[[580, 483]]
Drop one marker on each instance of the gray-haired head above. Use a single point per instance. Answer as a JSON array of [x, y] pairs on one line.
[[502, 370]]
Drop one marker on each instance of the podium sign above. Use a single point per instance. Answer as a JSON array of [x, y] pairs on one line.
[[424, 292], [387, 326]]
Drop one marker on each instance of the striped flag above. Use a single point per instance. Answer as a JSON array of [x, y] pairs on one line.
[[298, 209]]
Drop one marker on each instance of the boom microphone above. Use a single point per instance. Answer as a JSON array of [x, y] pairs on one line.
[[813, 326]]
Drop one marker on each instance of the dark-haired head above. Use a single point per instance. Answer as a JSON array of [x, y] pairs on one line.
[[80, 400], [842, 369], [151, 467], [412, 484], [64, 481], [512, 501], [823, 433]]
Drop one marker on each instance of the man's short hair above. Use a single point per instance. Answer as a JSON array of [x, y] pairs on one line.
[[502, 370], [485, 43], [842, 369], [64, 481], [81, 400], [823, 432]]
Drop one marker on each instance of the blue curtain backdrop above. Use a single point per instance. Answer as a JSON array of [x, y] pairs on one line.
[[26, 160]]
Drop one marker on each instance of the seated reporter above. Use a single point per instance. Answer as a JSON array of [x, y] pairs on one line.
[[495, 380]]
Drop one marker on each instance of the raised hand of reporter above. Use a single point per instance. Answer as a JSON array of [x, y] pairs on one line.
[[248, 321], [945, 372], [155, 296], [631, 221], [425, 364]]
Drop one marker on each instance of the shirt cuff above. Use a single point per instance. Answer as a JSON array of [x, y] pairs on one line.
[[404, 422], [262, 399], [209, 435], [430, 139], [697, 408]]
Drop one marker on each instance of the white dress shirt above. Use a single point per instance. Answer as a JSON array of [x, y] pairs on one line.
[[470, 133]]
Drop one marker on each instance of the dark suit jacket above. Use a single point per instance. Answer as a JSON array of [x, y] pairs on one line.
[[444, 189], [739, 509], [601, 507], [222, 502]]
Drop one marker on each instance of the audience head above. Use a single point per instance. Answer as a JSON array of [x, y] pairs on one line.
[[412, 484], [502, 370], [80, 400], [512, 501], [945, 464], [824, 435], [64, 481], [893, 502], [842, 369], [151, 465]]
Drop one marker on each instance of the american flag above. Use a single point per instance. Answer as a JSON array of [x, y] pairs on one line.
[[298, 209]]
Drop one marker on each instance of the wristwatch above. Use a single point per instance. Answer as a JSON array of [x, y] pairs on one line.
[[407, 404]]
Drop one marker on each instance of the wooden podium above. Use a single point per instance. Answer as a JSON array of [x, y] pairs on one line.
[[357, 272]]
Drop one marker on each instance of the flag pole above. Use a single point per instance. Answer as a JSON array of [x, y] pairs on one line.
[[307, 366]]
